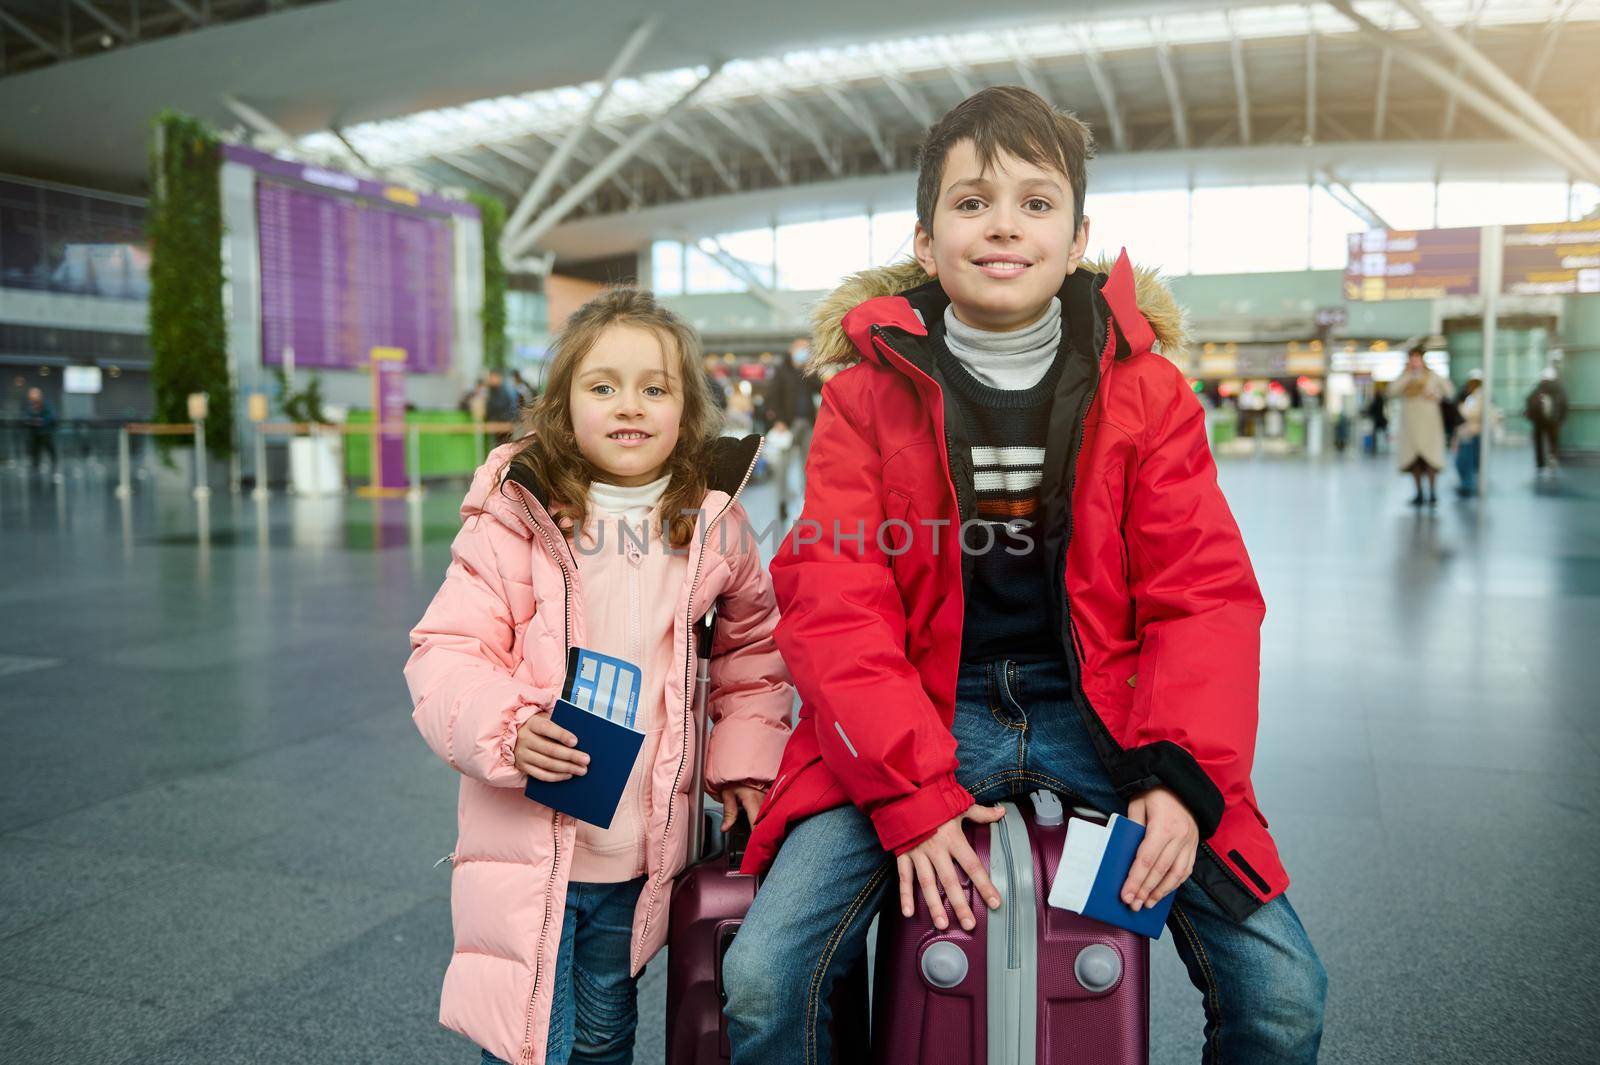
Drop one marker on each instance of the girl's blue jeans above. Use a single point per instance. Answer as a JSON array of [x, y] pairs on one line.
[[1016, 730], [596, 1007]]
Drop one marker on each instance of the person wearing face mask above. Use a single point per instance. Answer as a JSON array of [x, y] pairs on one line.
[[791, 408]]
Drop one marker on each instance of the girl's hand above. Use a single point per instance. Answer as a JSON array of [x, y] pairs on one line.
[[546, 751], [1166, 857], [747, 797]]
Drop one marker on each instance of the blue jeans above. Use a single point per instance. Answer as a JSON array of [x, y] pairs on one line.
[[596, 1006], [1016, 730], [1467, 464]]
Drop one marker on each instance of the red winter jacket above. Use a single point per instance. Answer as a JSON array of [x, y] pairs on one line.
[[1160, 613]]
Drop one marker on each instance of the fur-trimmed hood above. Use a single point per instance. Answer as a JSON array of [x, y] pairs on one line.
[[832, 348]]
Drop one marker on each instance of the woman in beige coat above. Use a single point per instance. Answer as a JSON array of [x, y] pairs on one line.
[[1420, 444]]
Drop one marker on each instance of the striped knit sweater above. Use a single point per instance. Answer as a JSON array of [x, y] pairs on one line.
[[1008, 606]]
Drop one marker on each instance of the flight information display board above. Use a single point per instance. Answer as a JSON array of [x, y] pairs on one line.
[[1387, 264], [349, 265], [1554, 259]]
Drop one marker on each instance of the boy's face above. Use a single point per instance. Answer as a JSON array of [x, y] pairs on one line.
[[1002, 240]]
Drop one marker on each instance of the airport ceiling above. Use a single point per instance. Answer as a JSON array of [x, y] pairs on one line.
[[800, 95]]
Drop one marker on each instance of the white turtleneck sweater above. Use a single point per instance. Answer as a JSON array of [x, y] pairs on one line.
[[1012, 361], [626, 592]]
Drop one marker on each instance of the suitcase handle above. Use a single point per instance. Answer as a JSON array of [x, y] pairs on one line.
[[738, 839]]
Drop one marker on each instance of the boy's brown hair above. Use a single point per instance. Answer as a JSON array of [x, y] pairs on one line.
[[1011, 119]]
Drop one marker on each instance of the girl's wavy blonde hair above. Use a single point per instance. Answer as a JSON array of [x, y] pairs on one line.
[[550, 453]]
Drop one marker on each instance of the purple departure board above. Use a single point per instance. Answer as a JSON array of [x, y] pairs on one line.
[[343, 273]]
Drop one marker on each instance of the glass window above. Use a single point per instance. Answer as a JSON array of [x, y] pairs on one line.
[[1404, 205], [891, 236], [56, 240], [1331, 225], [1152, 225], [817, 255], [754, 248], [666, 267], [702, 273], [1584, 201], [1485, 203], [1249, 228]]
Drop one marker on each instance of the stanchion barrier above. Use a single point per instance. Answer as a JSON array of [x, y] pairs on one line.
[[413, 433]]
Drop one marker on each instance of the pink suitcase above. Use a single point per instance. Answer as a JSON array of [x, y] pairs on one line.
[[1031, 985]]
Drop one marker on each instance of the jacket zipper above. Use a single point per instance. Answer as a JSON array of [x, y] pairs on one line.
[[688, 710], [955, 491], [555, 821]]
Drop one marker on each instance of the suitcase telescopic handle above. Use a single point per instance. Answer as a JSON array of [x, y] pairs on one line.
[[704, 630]]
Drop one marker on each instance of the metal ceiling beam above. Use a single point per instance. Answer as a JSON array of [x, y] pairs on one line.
[[751, 134], [652, 155], [1311, 83], [477, 171], [1447, 128], [807, 128], [1241, 90], [959, 72], [1515, 96], [705, 151], [517, 156], [104, 19], [1380, 108], [22, 29], [552, 215], [533, 197], [740, 270], [1347, 198], [257, 121], [908, 98], [1026, 69], [1509, 121], [1169, 78], [1547, 46], [862, 119], [351, 148], [1103, 86], [187, 11]]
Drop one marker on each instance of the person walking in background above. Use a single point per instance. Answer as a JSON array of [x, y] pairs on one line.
[[719, 391], [39, 418], [1546, 409], [1378, 411], [1421, 440], [500, 402], [791, 408], [1469, 434]]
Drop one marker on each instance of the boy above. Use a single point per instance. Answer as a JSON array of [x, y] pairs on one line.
[[1014, 570]]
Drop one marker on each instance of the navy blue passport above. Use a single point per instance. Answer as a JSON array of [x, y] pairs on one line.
[[1094, 865], [599, 703]]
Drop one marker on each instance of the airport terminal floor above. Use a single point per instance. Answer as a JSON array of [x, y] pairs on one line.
[[219, 828]]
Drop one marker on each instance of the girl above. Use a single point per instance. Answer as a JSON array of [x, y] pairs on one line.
[[613, 525]]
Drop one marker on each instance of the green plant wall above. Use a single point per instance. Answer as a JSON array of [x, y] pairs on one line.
[[493, 214], [188, 336]]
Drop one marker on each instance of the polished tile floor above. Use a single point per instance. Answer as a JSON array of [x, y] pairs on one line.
[[218, 827]]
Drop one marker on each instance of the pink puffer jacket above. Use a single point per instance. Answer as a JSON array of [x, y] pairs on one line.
[[490, 652]]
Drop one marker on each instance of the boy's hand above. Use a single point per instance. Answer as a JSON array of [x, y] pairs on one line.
[[1166, 857], [741, 796], [934, 861], [546, 751]]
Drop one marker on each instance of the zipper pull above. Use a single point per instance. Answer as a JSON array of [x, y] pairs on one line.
[[451, 857]]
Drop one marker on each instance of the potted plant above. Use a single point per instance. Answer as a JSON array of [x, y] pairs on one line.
[[315, 461]]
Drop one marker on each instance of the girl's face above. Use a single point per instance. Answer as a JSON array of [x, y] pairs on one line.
[[1414, 362], [627, 403]]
